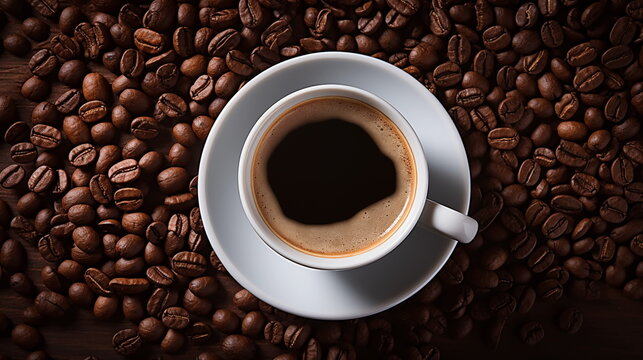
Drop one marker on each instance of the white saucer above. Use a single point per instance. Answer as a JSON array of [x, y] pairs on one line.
[[317, 293]]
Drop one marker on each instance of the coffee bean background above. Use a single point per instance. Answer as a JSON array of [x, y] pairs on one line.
[[546, 95]]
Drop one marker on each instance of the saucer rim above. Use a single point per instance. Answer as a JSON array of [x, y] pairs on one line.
[[240, 276]]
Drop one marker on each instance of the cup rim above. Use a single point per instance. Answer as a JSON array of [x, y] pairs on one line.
[[248, 203]]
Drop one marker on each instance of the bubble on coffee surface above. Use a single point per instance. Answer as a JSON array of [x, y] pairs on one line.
[[322, 210]]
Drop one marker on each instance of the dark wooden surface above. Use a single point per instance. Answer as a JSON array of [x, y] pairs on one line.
[[613, 327]]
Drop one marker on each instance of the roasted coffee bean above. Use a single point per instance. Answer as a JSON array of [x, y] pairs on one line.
[[204, 286], [160, 276], [51, 248], [45, 136], [505, 138], [522, 245], [238, 347], [483, 118], [149, 41], [151, 329], [26, 337], [172, 105], [549, 290], [125, 171], [622, 171], [126, 342], [97, 281], [21, 284], [251, 13], [295, 336], [16, 44], [570, 320], [82, 155], [129, 246], [614, 209], [532, 332], [145, 128], [12, 176], [43, 63], [52, 304], [588, 78], [68, 101], [101, 189], [263, 57], [604, 249], [540, 259], [276, 34], [128, 286], [223, 42], [189, 263], [17, 132], [128, 199], [571, 154], [175, 318], [202, 89], [94, 38], [65, 47], [132, 63], [199, 332]]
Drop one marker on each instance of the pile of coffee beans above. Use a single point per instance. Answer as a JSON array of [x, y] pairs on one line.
[[547, 96]]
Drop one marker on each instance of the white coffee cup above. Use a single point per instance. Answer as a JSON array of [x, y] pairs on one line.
[[423, 211]]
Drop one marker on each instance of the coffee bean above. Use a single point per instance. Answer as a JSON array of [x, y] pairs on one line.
[[274, 332], [43, 63], [614, 209], [238, 347], [26, 337], [622, 171], [52, 304], [505, 138], [588, 78], [45, 136], [125, 171], [175, 318], [145, 128], [16, 44], [172, 105], [82, 155], [295, 336], [202, 89], [532, 332], [94, 38], [549, 290], [540, 259], [51, 248], [11, 176], [483, 118], [571, 154], [17, 132], [189, 263], [160, 276], [21, 284], [35, 28], [126, 342], [617, 57], [252, 324], [128, 286]]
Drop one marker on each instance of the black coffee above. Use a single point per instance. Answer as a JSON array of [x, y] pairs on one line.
[[333, 177], [328, 171]]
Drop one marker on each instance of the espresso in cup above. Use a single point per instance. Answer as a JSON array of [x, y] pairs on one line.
[[333, 177]]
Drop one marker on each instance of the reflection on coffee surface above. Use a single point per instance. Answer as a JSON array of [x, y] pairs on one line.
[[333, 177]]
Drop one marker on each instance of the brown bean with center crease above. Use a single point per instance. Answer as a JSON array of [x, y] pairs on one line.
[[504, 138], [189, 263], [175, 317]]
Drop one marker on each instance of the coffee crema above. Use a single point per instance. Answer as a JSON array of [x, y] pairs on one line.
[[333, 177]]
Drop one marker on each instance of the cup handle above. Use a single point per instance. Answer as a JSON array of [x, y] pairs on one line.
[[448, 222]]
